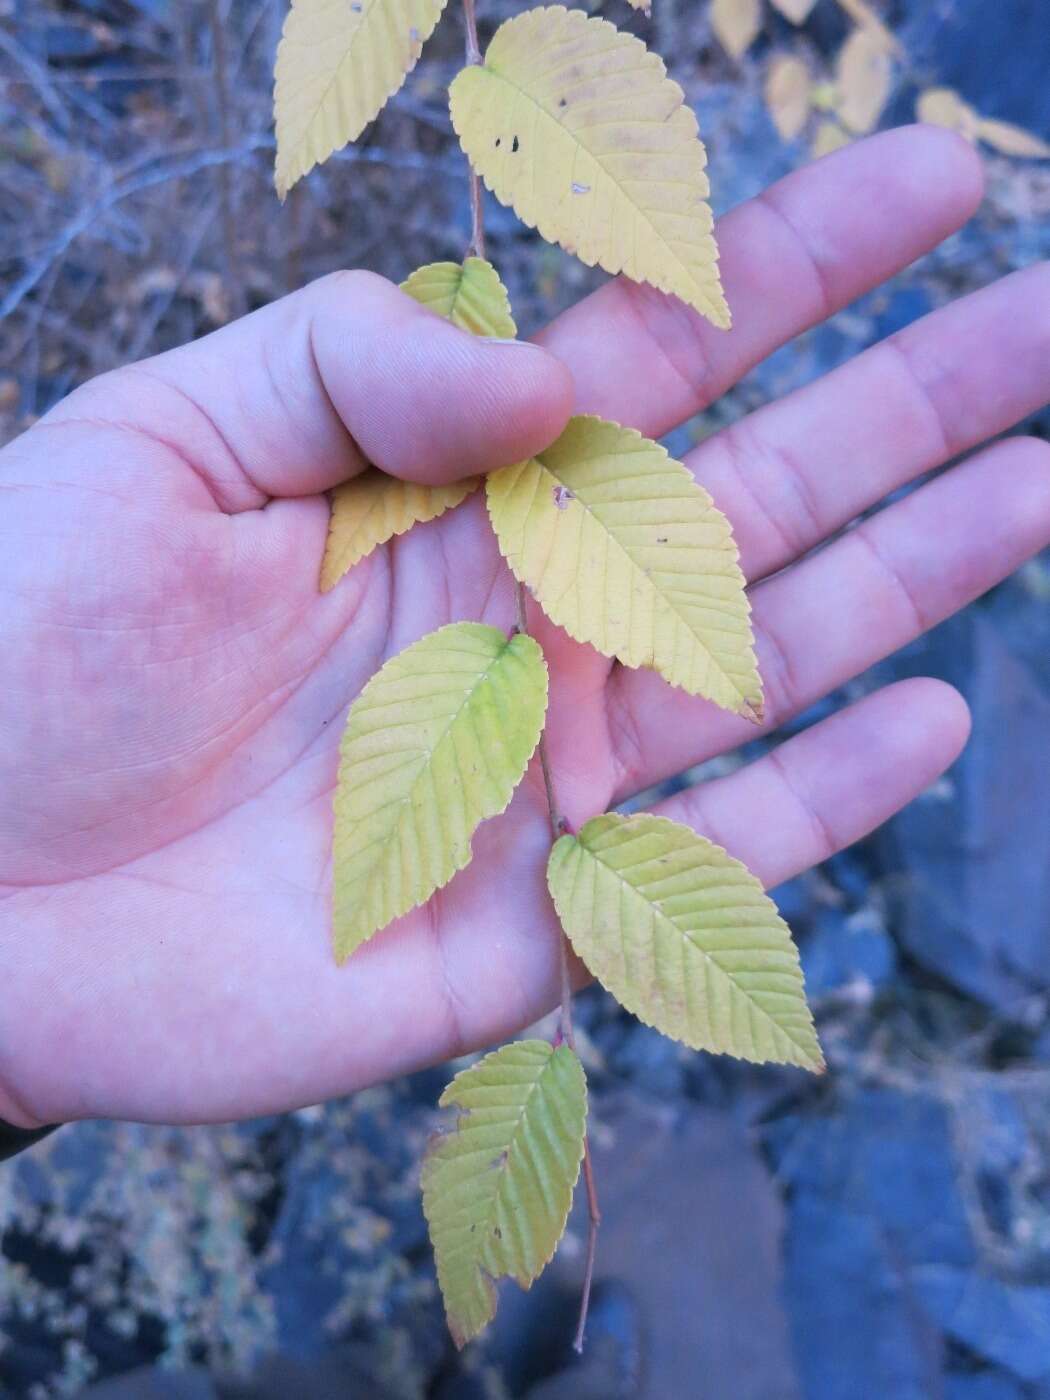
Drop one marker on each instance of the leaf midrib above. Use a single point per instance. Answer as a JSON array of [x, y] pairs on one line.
[[579, 146], [721, 972], [382, 841], [479, 1239], [664, 597]]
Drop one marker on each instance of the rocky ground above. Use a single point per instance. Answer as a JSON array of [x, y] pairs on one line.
[[884, 1232]]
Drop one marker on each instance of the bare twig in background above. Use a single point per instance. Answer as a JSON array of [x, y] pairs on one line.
[[235, 289]]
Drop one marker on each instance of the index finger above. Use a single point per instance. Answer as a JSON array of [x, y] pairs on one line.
[[791, 257]]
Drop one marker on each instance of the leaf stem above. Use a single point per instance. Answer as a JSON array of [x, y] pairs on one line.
[[559, 826]]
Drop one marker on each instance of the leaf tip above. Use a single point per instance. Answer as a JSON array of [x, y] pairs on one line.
[[754, 710]]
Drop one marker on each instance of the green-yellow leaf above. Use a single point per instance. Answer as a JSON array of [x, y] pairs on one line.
[[470, 294], [338, 63], [624, 550], [497, 1188], [436, 742], [685, 937], [374, 507], [579, 129]]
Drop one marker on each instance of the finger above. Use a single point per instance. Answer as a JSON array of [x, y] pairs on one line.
[[796, 471], [831, 785], [806, 247], [832, 616], [300, 395]]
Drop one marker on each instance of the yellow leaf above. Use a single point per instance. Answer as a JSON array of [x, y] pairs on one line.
[[374, 507], [736, 24], [830, 137], [862, 13], [578, 128], [863, 74], [497, 1188], [436, 742], [624, 550], [797, 11], [338, 63], [469, 294], [943, 106], [788, 95], [1012, 140], [684, 936]]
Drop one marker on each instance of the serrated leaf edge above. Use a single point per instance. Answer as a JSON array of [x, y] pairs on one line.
[[460, 859], [443, 1135], [818, 1068], [751, 707]]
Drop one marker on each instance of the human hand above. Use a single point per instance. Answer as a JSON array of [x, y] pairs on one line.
[[175, 685]]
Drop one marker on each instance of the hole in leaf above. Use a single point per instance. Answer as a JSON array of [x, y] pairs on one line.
[[562, 497], [514, 145], [498, 140], [580, 189]]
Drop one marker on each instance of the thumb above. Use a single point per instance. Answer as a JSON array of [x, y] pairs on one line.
[[349, 371]]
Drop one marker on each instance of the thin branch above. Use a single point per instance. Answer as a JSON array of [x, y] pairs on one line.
[[235, 286], [594, 1219], [184, 168], [559, 826], [476, 247]]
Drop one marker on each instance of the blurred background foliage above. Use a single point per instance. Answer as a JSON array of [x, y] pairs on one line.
[[884, 1232]]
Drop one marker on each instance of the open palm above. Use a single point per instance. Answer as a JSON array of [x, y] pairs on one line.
[[175, 685]]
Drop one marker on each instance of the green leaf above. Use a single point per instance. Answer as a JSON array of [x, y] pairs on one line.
[[578, 128], [497, 1189], [469, 294], [684, 936], [624, 550], [436, 742], [338, 63]]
